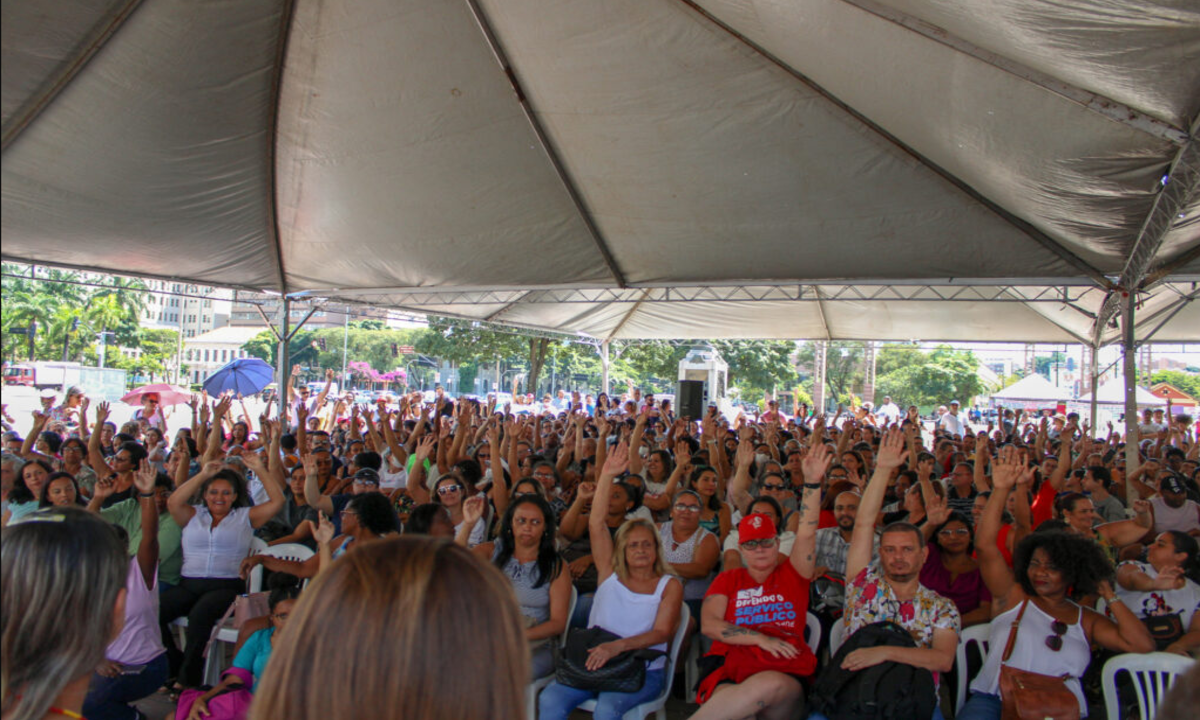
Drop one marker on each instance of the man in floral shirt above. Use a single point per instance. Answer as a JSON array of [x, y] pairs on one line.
[[894, 592]]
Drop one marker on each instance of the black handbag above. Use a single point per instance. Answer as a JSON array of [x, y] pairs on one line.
[[1165, 629], [624, 673]]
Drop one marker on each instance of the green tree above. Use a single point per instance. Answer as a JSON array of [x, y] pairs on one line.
[[942, 375], [1186, 382]]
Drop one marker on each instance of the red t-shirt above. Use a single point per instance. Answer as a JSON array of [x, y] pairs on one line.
[[826, 519], [778, 606]]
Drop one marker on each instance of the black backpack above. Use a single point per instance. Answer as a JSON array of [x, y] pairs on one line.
[[887, 690]]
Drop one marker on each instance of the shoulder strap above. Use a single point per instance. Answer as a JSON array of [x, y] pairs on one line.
[[1012, 634]]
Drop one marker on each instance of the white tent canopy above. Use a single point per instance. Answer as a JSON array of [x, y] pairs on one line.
[[1032, 389], [1113, 393], [859, 169]]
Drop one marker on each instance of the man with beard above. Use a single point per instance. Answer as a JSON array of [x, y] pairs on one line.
[[894, 592], [833, 543]]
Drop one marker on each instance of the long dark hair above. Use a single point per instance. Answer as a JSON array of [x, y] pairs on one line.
[[955, 516], [1187, 544], [20, 492], [714, 503], [548, 561], [242, 498], [44, 495]]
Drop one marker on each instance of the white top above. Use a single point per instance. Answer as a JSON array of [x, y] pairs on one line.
[[952, 424], [209, 553], [478, 533], [1184, 601], [623, 612], [1184, 518], [1030, 652], [140, 640]]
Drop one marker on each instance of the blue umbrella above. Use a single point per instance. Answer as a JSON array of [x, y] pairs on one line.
[[245, 376]]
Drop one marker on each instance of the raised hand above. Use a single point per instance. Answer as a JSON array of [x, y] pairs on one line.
[[322, 532], [586, 491], [425, 448], [617, 460], [937, 509], [472, 509], [745, 454], [892, 452], [816, 462], [105, 487], [1007, 468], [102, 413], [143, 478]]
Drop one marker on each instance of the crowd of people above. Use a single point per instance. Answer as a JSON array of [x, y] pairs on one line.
[[456, 542]]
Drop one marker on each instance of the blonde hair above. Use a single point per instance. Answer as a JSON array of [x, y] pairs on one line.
[[620, 565], [405, 627]]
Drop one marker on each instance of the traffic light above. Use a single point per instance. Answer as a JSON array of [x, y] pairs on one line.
[[321, 343], [395, 350]]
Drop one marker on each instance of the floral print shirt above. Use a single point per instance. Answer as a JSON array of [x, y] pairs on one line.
[[869, 599]]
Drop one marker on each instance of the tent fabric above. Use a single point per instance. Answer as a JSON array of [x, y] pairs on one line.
[[412, 153], [1033, 388], [1113, 393]]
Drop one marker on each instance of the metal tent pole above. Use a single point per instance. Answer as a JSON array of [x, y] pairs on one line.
[[282, 360], [1132, 458], [1094, 374], [604, 362]]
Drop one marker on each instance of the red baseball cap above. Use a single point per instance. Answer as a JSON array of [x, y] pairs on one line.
[[757, 526]]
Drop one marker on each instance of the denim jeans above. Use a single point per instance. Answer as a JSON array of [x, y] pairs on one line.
[[110, 698], [981, 706], [557, 701]]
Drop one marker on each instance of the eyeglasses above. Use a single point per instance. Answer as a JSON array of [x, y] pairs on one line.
[[954, 531], [765, 544], [777, 488], [369, 483], [447, 489], [1055, 641], [684, 507]]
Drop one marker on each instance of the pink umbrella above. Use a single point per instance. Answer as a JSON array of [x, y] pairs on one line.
[[167, 394]]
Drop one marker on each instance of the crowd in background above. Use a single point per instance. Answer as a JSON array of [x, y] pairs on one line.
[[610, 512]]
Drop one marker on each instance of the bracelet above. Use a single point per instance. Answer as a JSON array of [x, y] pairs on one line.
[[811, 486], [145, 495], [1114, 600]]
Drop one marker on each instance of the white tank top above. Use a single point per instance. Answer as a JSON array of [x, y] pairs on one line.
[[1182, 518], [1031, 653], [623, 612]]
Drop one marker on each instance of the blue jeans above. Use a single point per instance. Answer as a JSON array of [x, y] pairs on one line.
[[583, 608], [110, 698], [557, 701], [981, 706], [937, 715]]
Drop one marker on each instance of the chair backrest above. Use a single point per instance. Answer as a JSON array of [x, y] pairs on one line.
[[812, 632], [1151, 674], [837, 635], [257, 545], [562, 643], [977, 636], [284, 551]]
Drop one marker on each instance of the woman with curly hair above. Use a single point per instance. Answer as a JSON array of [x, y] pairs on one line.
[[1039, 596]]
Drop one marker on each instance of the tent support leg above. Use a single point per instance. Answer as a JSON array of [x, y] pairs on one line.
[[1129, 350], [281, 358], [819, 349], [604, 361], [1093, 380]]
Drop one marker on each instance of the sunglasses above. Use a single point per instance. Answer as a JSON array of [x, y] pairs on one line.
[[447, 489], [765, 544], [1055, 641], [369, 483], [777, 488], [684, 507]]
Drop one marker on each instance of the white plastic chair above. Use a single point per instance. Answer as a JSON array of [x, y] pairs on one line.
[[226, 636], [179, 624], [285, 551], [1151, 674], [837, 636], [657, 705], [976, 635], [812, 632], [535, 687]]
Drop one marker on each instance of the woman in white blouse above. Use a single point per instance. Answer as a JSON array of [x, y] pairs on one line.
[[216, 537]]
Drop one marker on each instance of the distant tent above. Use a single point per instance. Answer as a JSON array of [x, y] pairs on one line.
[[1033, 390], [1113, 393]]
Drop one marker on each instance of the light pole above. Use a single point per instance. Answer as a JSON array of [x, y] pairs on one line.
[[345, 346]]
